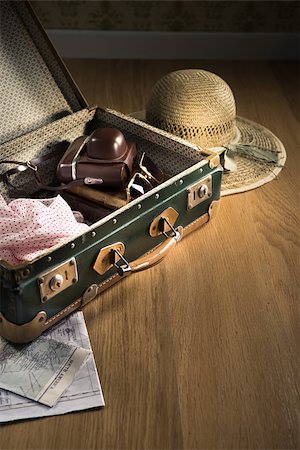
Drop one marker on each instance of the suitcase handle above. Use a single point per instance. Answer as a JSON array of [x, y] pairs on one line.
[[150, 259]]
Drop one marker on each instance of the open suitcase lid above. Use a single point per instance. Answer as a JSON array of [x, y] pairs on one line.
[[36, 88]]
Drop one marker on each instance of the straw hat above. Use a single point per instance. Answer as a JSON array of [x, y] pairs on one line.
[[199, 106]]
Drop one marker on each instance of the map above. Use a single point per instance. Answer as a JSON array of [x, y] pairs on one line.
[[83, 393]]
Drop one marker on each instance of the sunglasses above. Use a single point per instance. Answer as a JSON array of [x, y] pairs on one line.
[[145, 178], [150, 170]]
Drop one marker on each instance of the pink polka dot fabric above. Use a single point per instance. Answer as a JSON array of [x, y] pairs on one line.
[[29, 227]]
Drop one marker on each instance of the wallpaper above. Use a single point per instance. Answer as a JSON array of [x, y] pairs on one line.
[[214, 16]]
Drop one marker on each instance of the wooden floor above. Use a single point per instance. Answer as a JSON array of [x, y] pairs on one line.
[[202, 351]]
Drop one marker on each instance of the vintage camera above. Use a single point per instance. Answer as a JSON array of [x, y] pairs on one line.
[[103, 159]]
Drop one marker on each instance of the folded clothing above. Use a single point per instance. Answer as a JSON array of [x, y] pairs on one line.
[[29, 227]]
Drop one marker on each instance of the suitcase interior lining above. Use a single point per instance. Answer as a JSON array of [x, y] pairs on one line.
[[172, 159], [35, 91]]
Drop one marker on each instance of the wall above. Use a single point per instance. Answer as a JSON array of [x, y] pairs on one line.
[[173, 29], [214, 16]]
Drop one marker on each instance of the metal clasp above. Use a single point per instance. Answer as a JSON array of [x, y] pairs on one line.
[[104, 259], [32, 166], [162, 226], [113, 260], [158, 226]]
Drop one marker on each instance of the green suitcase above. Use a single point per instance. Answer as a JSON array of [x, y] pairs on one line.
[[43, 106]]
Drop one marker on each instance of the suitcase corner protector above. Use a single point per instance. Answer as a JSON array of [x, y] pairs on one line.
[[213, 209], [22, 334]]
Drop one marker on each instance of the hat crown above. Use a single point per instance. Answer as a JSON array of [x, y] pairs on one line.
[[194, 104]]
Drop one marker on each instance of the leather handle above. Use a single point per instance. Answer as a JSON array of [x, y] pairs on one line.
[[153, 258]]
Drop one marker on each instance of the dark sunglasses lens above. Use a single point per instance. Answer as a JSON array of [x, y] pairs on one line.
[[139, 186], [152, 168]]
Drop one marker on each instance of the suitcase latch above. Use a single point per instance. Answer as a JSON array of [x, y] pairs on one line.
[[199, 192], [58, 279]]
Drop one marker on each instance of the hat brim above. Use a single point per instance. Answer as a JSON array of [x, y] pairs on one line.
[[250, 173]]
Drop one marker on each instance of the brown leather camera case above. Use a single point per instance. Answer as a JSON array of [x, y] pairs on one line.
[[104, 155]]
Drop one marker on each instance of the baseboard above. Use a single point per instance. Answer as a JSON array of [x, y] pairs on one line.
[[170, 45]]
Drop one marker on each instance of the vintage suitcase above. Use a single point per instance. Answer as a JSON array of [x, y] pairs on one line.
[[41, 106]]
